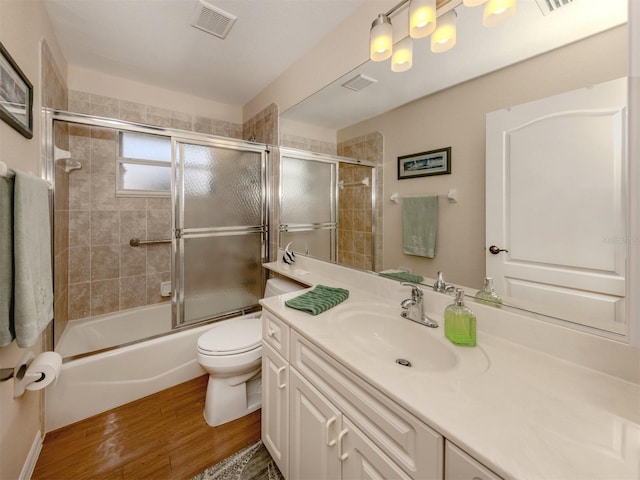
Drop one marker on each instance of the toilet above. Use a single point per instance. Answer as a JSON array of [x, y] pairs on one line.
[[231, 353]]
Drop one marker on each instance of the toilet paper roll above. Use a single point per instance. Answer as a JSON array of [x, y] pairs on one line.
[[44, 370]]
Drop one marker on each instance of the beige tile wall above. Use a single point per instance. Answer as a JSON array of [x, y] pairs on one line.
[[308, 144], [106, 274], [369, 148], [90, 104], [355, 218], [54, 95], [263, 127]]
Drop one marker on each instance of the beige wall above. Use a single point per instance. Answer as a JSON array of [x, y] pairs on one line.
[[20, 419], [456, 117], [105, 85], [328, 60]]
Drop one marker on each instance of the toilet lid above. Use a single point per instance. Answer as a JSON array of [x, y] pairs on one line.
[[227, 337]]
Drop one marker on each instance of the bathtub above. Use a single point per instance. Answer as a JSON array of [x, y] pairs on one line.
[[97, 383], [112, 329]]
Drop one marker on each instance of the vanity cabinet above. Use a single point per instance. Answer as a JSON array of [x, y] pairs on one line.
[[275, 407], [338, 425], [461, 466]]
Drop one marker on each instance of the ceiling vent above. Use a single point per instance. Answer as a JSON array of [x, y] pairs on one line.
[[212, 20], [359, 82], [550, 6]]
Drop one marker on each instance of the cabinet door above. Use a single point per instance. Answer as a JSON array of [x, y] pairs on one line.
[[458, 465], [275, 407], [314, 425], [362, 459]]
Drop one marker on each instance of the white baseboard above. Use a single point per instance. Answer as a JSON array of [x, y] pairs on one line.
[[32, 458]]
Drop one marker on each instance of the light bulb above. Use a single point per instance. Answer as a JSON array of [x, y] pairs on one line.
[[402, 58], [444, 37], [497, 11], [422, 18], [381, 39]]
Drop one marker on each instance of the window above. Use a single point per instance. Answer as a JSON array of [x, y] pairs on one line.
[[144, 165]]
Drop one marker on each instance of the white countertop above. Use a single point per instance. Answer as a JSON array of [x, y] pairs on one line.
[[527, 415]]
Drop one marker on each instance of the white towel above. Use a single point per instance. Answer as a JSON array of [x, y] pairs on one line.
[[7, 333], [33, 279]]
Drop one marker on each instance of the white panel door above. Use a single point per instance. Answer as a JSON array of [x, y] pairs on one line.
[[555, 203], [314, 426], [275, 407]]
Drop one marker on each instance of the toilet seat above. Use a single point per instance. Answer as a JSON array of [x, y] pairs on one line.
[[230, 337]]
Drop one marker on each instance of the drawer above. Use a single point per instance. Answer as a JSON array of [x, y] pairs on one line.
[[415, 447], [276, 333], [459, 465]]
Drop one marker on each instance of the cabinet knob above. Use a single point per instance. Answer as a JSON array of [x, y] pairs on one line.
[[331, 421], [281, 385], [342, 456]]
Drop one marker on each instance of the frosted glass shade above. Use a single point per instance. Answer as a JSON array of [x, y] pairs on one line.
[[444, 37], [497, 11], [402, 58], [472, 3], [422, 18], [381, 39]]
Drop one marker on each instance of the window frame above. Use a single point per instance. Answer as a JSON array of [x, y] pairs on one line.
[[122, 160]]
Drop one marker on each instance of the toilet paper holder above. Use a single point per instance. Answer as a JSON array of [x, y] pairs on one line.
[[21, 377]]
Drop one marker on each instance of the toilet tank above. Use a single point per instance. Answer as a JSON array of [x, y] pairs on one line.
[[278, 286]]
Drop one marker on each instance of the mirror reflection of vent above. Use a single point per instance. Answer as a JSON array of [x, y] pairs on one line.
[[212, 20], [550, 6], [359, 82]]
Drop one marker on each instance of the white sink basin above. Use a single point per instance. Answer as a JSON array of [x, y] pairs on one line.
[[379, 331]]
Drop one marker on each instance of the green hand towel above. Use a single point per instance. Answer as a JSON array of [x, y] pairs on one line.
[[420, 225], [318, 300], [402, 276]]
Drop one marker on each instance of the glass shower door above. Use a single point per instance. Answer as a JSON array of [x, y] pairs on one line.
[[308, 206], [220, 217]]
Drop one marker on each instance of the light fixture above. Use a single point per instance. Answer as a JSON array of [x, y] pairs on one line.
[[497, 11], [422, 18], [425, 18], [381, 38], [472, 3], [444, 37], [402, 58]]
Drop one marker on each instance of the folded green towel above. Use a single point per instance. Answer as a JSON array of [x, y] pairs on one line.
[[402, 276], [318, 300]]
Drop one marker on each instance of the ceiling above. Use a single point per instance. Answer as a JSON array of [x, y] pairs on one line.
[[478, 51], [152, 41]]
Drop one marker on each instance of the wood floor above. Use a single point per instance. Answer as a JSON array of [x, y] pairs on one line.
[[163, 436]]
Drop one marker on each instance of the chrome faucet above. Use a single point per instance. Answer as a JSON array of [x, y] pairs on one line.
[[413, 308], [441, 286]]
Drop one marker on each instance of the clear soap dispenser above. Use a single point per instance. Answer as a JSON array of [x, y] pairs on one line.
[[487, 295], [460, 322]]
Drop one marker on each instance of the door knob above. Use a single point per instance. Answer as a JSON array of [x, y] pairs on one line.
[[495, 250]]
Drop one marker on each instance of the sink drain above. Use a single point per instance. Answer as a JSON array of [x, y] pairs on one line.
[[403, 362]]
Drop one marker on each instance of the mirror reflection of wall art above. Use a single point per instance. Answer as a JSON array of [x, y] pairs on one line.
[[434, 162], [16, 95]]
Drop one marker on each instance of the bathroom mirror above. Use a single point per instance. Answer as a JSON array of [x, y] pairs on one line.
[[478, 54], [326, 207]]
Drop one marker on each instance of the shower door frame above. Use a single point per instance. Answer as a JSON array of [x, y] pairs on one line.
[[50, 115], [178, 234]]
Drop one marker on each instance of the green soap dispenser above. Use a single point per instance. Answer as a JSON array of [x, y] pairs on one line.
[[460, 322], [487, 295]]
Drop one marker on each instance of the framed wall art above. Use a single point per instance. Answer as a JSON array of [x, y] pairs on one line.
[[424, 164], [16, 95]]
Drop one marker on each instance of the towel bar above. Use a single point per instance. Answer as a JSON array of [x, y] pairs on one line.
[[136, 242], [452, 196]]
